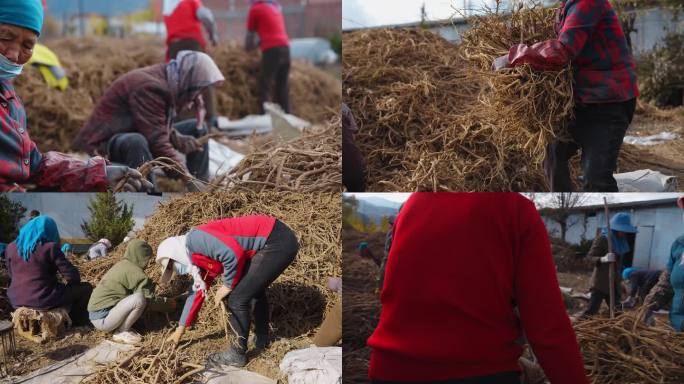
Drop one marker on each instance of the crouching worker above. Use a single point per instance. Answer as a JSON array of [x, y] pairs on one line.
[[22, 164], [124, 293], [34, 260], [249, 252], [133, 122]]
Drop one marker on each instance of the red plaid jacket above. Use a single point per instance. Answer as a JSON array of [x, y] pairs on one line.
[[22, 163], [591, 38]]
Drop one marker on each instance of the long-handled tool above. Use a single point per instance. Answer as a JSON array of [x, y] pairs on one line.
[[611, 265]]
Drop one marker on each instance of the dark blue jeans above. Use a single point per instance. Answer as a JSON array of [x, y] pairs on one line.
[[133, 150]]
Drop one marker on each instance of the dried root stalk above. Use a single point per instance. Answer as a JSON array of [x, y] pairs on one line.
[[624, 350], [310, 163]]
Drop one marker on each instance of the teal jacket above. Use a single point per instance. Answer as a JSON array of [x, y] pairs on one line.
[[676, 269]]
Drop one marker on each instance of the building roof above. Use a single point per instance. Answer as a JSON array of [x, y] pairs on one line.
[[664, 202]]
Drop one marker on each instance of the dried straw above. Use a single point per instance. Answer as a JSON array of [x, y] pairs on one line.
[[310, 163], [298, 298], [55, 117], [624, 350]]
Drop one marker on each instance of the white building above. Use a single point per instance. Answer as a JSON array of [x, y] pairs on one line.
[[659, 223]]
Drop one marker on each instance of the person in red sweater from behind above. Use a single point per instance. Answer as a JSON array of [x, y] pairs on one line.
[[459, 265], [266, 20]]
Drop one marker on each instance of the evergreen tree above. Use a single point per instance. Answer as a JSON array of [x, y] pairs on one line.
[[10, 214], [109, 219]]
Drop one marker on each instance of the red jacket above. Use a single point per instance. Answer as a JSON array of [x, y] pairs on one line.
[[266, 19], [222, 247], [459, 265], [22, 163], [183, 23]]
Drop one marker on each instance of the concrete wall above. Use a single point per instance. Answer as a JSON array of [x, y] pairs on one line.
[[658, 228], [69, 210]]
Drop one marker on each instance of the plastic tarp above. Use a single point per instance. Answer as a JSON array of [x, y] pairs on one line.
[[645, 180], [313, 365], [221, 158], [75, 369], [650, 140]]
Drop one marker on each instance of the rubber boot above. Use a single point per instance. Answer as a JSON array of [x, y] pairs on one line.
[[231, 356]]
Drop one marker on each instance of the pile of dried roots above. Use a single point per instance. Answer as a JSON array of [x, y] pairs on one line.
[[310, 163], [152, 363], [624, 350], [434, 116], [54, 117], [298, 298]]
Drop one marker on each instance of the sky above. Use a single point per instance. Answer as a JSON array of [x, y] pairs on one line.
[[367, 13], [543, 198]]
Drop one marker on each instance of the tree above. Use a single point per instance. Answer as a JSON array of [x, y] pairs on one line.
[[423, 17], [10, 214], [109, 219], [561, 206]]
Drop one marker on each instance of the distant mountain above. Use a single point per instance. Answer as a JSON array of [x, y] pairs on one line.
[[375, 208], [57, 8]]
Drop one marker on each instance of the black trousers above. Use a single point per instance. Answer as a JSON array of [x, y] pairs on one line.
[[249, 295], [208, 94], [75, 299], [598, 129], [498, 378], [275, 68], [597, 297], [133, 150]]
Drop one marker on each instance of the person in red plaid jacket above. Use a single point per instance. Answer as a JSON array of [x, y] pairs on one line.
[[21, 163], [590, 38]]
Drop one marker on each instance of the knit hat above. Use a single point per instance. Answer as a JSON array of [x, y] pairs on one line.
[[24, 13]]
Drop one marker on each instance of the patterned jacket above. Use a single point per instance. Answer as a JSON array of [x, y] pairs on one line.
[[22, 163], [591, 38], [138, 101]]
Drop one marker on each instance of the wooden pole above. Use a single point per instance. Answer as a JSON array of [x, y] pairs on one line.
[[611, 265]]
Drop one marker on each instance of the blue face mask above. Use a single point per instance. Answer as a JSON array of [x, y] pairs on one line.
[[8, 69], [181, 269]]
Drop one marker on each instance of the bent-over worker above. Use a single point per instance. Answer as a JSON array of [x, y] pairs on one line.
[[249, 253], [640, 284]]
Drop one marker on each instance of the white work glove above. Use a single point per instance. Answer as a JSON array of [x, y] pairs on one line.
[[135, 182], [608, 258], [500, 63]]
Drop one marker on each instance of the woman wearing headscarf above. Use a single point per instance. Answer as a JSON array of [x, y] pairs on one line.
[[33, 261], [249, 253], [133, 122], [22, 164], [67, 249], [124, 293], [670, 286], [620, 226], [459, 266]]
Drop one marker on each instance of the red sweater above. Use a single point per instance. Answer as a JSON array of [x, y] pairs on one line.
[[183, 23], [453, 317], [266, 19]]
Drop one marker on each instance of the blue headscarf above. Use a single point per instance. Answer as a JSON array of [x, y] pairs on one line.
[[66, 248], [22, 13], [627, 273], [363, 245], [620, 244], [39, 230]]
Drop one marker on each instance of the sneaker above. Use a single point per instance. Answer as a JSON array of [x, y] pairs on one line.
[[231, 356], [127, 337]]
